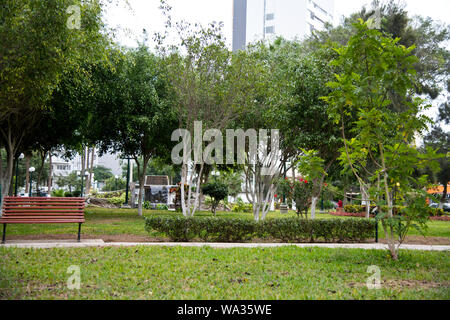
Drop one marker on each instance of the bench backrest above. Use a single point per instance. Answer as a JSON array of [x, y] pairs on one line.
[[42, 210]]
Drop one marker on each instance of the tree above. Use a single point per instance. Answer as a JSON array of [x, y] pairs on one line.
[[428, 37], [72, 181], [113, 184], [132, 112], [300, 191], [299, 74], [102, 173], [37, 46], [439, 140], [205, 82], [218, 191], [372, 65]]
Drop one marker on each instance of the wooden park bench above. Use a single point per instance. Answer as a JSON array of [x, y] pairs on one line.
[[18, 210]]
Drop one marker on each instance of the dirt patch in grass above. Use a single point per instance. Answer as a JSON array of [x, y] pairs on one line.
[[405, 284], [423, 240], [105, 238]]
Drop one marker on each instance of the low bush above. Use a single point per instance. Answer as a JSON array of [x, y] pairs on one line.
[[117, 201], [353, 208], [242, 207], [58, 193], [160, 206], [242, 230]]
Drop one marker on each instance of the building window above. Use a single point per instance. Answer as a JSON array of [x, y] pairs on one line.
[[270, 16], [270, 29], [63, 167]]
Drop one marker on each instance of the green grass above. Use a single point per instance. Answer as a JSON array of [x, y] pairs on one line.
[[205, 273], [100, 221]]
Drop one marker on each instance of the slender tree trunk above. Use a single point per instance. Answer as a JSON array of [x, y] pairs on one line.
[[88, 181], [50, 173], [6, 179], [141, 173], [313, 207], [444, 195], [83, 169], [41, 169], [27, 172], [91, 167]]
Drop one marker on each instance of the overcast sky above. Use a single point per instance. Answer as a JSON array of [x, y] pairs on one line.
[[144, 14]]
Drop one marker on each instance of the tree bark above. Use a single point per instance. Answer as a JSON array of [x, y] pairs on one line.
[[50, 172], [444, 195], [91, 169], [83, 169], [27, 172], [313, 207], [88, 181]]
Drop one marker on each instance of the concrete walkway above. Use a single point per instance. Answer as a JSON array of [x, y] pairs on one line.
[[45, 244]]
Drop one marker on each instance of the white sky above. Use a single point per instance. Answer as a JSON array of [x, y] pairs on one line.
[[144, 14]]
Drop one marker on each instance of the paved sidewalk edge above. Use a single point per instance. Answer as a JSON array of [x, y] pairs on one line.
[[100, 244]]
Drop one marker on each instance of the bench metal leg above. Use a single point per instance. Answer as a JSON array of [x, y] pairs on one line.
[[79, 232], [4, 234]]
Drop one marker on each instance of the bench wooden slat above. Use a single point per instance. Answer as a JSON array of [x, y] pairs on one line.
[[44, 221], [26, 209], [42, 211]]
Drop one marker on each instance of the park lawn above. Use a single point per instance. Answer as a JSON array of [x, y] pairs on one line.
[[102, 221], [204, 273]]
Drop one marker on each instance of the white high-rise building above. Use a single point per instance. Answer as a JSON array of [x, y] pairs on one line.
[[255, 20]]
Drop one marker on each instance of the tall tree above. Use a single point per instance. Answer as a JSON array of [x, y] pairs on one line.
[[132, 114], [37, 45], [372, 64]]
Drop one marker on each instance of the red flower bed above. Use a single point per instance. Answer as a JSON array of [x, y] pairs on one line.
[[348, 214], [443, 218]]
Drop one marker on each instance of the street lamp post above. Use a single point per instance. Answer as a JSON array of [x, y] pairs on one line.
[[32, 169], [17, 172], [82, 180]]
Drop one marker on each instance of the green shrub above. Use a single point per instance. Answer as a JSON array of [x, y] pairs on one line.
[[58, 193], [68, 195], [161, 206], [76, 194], [217, 191], [435, 212], [354, 208], [241, 230], [242, 207], [146, 205], [117, 201]]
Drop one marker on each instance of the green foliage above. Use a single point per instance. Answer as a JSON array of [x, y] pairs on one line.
[[241, 206], [58, 193], [101, 173], [217, 190], [117, 201], [160, 206], [375, 70], [182, 229], [350, 208], [113, 184], [299, 191]]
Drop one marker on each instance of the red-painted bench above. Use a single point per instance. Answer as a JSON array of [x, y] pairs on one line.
[[18, 210]]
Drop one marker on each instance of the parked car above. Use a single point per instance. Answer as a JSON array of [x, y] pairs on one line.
[[445, 207]]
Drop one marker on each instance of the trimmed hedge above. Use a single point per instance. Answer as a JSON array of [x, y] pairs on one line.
[[180, 229]]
